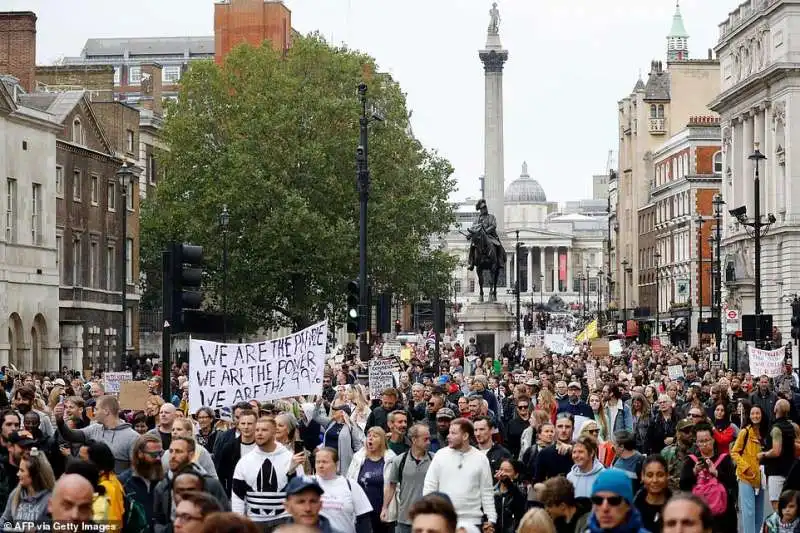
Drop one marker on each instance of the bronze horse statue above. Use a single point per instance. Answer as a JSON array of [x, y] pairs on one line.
[[487, 257]]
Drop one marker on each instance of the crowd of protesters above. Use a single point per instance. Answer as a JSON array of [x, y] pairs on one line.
[[465, 441]]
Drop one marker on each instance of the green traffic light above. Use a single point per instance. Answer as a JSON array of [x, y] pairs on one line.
[[353, 313]]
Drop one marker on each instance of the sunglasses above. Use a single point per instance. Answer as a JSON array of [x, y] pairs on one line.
[[155, 455], [522, 407], [594, 431], [695, 415], [613, 501]]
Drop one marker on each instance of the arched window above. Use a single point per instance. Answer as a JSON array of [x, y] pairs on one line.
[[718, 163], [660, 110], [77, 131], [653, 111]]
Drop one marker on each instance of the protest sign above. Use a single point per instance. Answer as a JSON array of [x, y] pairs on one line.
[[391, 349], [591, 375], [111, 381], [766, 363], [133, 395], [381, 375], [224, 374], [675, 371], [600, 347], [615, 347]]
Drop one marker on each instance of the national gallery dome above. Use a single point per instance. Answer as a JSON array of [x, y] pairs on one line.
[[525, 189]]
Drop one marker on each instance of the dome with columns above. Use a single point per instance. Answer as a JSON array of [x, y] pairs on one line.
[[525, 189]]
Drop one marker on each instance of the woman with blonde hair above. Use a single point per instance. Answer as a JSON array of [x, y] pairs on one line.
[[183, 427], [28, 501], [357, 396], [151, 408], [605, 449], [536, 521], [599, 410], [368, 469]]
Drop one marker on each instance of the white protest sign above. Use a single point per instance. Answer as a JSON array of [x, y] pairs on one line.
[[111, 381], [675, 371], [224, 374], [766, 363], [391, 349], [381, 376], [591, 374], [615, 347]]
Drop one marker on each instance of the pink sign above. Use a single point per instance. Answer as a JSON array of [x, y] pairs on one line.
[[562, 267]]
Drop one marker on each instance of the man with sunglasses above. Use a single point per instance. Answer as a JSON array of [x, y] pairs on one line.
[[612, 504], [676, 454], [573, 403], [146, 470], [517, 425]]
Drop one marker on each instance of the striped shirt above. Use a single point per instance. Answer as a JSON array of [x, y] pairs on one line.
[[258, 482]]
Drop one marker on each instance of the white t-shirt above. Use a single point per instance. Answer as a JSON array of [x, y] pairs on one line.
[[244, 449], [341, 504]]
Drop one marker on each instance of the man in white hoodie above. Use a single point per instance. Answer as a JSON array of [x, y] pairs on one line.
[[260, 477], [464, 474]]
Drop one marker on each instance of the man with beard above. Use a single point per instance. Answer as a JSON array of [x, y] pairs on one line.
[[480, 387], [736, 393], [483, 436], [444, 417], [676, 454], [764, 398], [556, 460], [328, 392], [23, 402], [49, 446], [140, 480], [573, 403]]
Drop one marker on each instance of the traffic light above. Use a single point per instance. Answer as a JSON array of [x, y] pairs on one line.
[[796, 318], [185, 277], [353, 290], [397, 327]]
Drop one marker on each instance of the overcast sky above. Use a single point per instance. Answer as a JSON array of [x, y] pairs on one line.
[[570, 62]]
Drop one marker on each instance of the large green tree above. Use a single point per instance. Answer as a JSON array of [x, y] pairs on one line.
[[273, 137]]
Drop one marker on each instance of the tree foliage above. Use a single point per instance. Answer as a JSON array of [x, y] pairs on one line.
[[273, 137]]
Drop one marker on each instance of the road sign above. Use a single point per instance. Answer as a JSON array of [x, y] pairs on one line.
[[733, 322]]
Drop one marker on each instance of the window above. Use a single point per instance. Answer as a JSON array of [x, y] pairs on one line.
[[110, 268], [653, 111], [457, 286], [77, 131], [128, 261], [94, 264], [117, 72], [76, 185], [59, 181], [171, 74], [11, 210], [134, 75], [718, 163], [151, 169], [660, 110], [129, 137], [112, 196], [95, 190], [129, 195], [36, 214], [129, 327], [76, 262], [60, 257]]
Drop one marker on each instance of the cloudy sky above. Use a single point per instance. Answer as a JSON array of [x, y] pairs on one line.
[[570, 62]]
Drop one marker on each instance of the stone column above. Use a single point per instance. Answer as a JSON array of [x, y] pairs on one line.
[[542, 269], [556, 288], [570, 288], [530, 270], [510, 275], [493, 57], [747, 174]]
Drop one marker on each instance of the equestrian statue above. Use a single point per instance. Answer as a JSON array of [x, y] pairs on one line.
[[485, 251]]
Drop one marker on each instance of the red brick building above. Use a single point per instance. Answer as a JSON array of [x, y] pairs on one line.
[[251, 22]]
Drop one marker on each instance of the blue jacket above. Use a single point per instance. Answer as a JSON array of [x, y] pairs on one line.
[[624, 418], [576, 409], [138, 490]]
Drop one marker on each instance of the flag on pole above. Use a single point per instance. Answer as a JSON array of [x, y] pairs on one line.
[[431, 339], [589, 332]]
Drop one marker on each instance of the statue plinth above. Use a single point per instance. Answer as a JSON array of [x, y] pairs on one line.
[[490, 324]]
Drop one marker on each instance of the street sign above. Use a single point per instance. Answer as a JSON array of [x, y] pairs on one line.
[[733, 322]]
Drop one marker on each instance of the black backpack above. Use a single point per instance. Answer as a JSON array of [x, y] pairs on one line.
[[403, 465]]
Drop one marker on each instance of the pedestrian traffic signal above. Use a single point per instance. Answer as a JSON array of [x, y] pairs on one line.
[[186, 277], [353, 291], [796, 318]]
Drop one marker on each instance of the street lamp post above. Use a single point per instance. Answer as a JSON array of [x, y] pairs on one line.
[[518, 288], [625, 295], [581, 297], [224, 219], [541, 290], [699, 274], [718, 203], [124, 175], [363, 180], [657, 257]]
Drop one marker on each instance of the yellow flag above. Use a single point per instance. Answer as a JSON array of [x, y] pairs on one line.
[[589, 332]]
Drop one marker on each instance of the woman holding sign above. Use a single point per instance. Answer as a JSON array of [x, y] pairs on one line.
[[340, 433]]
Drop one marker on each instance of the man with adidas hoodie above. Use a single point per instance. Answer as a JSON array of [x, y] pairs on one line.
[[260, 477]]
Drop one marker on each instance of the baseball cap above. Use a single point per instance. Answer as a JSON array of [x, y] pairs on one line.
[[301, 484], [22, 438], [685, 423], [446, 412], [574, 385], [60, 382]]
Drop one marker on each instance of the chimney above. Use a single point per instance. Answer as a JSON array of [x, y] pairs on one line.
[[151, 88], [710, 54], [18, 46]]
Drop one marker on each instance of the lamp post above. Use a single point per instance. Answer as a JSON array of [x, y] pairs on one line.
[[756, 157], [599, 296], [718, 203], [224, 219], [657, 257], [582, 297], [125, 176], [699, 221], [517, 287], [541, 290], [624, 295]]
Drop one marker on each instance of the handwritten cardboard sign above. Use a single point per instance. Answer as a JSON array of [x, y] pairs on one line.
[[766, 363], [382, 372], [133, 395], [224, 374]]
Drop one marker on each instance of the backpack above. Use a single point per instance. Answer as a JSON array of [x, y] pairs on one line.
[[134, 518], [710, 489], [403, 465]]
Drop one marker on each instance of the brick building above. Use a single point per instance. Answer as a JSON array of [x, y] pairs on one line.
[[685, 174], [18, 46], [251, 22], [646, 280]]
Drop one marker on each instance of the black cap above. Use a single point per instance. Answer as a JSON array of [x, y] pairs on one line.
[[22, 438]]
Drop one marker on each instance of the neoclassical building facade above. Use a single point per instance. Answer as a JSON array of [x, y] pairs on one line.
[[556, 248], [759, 96]]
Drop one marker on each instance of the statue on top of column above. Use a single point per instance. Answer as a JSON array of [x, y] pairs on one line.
[[494, 20]]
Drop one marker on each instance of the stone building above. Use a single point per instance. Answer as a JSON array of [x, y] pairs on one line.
[[760, 94], [654, 110], [94, 141], [29, 311]]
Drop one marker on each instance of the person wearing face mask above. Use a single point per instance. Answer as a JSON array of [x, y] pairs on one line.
[[108, 428]]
